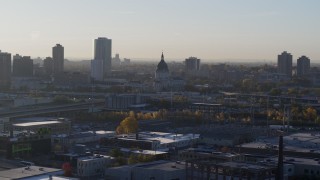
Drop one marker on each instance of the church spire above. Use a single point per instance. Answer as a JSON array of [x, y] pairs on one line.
[[162, 57]]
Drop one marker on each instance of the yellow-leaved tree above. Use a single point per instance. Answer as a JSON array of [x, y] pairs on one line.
[[127, 126]]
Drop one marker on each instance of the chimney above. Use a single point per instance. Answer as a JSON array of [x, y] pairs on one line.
[[280, 158]]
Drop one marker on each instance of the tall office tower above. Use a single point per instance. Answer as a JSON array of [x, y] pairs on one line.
[[5, 70], [22, 66], [97, 70], [303, 66], [58, 59], [103, 50], [48, 65], [192, 64], [285, 63]]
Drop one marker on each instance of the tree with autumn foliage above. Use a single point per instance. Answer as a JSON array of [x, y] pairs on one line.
[[128, 125], [310, 114]]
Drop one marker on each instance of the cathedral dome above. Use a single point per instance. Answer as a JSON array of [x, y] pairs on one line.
[[162, 66]]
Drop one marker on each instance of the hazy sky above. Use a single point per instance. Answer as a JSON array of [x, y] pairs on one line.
[[207, 29]]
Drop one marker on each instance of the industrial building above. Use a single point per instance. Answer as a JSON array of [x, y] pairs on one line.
[[30, 138], [92, 166], [153, 140], [153, 170]]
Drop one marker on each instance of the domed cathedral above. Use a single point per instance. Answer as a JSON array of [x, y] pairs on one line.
[[162, 76]]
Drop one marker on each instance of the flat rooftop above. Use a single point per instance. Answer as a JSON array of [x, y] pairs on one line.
[[149, 152], [40, 123], [25, 172], [302, 161], [91, 158], [206, 104], [161, 164], [162, 137], [249, 166], [298, 142], [164, 165]]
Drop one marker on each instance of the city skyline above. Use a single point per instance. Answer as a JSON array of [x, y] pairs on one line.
[[246, 30]]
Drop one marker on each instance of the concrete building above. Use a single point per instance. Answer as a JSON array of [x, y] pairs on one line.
[[301, 167], [62, 142], [22, 66], [297, 144], [116, 61], [103, 51], [192, 64], [147, 171], [126, 62], [303, 66], [285, 63], [48, 65], [58, 59], [30, 138], [206, 153], [92, 166], [153, 141], [208, 169], [97, 73], [5, 70], [54, 126], [124, 101], [33, 173]]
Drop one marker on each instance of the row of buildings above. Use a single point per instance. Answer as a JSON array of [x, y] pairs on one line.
[[23, 66], [285, 65], [175, 156]]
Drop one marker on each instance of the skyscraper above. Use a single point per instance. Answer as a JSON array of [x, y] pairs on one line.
[[103, 50], [58, 59], [303, 66], [5, 70], [192, 64], [48, 65], [97, 70], [22, 66], [285, 63]]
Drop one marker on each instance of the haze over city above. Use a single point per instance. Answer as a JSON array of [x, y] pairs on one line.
[[159, 90], [212, 30]]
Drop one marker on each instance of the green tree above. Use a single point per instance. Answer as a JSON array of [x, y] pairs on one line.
[[116, 153], [275, 92], [61, 99]]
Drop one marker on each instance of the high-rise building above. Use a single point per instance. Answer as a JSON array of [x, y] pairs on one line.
[[5, 70], [97, 70], [285, 63], [58, 59], [303, 66], [116, 61], [192, 64], [48, 65], [103, 50], [22, 66]]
